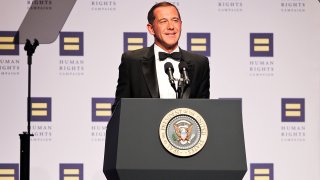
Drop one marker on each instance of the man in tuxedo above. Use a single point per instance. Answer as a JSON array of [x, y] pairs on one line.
[[141, 72]]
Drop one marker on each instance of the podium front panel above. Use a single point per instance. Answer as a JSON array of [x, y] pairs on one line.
[[141, 154]]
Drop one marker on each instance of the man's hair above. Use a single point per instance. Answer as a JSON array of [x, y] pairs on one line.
[[151, 16]]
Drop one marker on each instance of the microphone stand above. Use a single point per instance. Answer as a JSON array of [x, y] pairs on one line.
[[177, 93], [173, 85], [25, 137], [181, 87]]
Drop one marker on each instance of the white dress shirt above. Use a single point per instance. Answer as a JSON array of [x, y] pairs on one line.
[[165, 89]]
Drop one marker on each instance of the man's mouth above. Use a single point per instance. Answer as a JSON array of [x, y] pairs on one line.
[[170, 34]]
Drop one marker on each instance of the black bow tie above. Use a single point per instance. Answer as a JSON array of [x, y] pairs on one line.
[[175, 56]]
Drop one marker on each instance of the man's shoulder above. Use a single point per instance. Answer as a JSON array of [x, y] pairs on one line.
[[136, 54], [193, 56]]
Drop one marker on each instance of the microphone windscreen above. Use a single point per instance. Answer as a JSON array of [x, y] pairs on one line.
[[168, 65], [182, 65]]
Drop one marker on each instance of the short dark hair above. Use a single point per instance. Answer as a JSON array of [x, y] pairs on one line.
[[151, 16]]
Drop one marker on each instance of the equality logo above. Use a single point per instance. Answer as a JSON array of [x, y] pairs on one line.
[[71, 171], [41, 125], [261, 171], [101, 109], [9, 171], [292, 110], [9, 47], [101, 114], [293, 120], [261, 44], [183, 132], [71, 46], [71, 43], [134, 40], [7, 43], [40, 109], [199, 43]]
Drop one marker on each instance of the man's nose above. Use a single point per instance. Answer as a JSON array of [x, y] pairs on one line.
[[170, 25]]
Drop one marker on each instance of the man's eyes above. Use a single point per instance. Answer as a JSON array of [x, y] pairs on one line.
[[163, 21], [176, 20], [166, 21]]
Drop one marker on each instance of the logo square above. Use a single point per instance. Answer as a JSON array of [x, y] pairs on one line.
[[71, 43], [292, 110], [101, 109], [134, 40], [8, 43], [261, 171], [41, 109], [261, 45], [71, 171], [9, 171], [199, 43]]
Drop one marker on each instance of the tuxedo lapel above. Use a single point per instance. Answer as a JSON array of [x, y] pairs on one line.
[[149, 71]]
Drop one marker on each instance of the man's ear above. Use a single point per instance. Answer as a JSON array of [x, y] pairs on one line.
[[150, 29]]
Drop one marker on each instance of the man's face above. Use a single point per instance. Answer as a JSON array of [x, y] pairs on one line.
[[166, 28]]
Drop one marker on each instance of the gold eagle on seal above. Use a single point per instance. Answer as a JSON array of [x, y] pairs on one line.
[[183, 132]]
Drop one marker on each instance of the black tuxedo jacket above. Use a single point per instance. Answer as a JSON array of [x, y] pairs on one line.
[[138, 76]]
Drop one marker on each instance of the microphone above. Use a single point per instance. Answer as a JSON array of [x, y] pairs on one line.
[[168, 68], [183, 68]]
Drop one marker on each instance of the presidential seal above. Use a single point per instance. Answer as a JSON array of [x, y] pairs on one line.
[[183, 132]]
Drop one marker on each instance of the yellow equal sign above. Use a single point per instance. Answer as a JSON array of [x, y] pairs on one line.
[[261, 174], [71, 174], [261, 44], [103, 109], [39, 109], [6, 43], [198, 44], [71, 43], [293, 110], [135, 43], [7, 174]]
